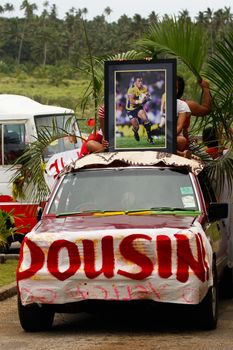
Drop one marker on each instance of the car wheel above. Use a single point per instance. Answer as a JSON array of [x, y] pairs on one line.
[[35, 318], [208, 308]]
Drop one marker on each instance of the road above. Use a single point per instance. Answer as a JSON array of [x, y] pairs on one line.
[[163, 330]]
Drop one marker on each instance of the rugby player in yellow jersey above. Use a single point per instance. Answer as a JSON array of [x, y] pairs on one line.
[[137, 96]]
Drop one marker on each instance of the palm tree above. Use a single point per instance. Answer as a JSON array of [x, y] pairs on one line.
[[181, 39], [153, 17], [209, 15], [107, 11], [184, 15], [187, 42], [8, 7], [29, 9], [200, 18]]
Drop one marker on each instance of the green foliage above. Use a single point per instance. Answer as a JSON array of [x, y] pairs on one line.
[[220, 69], [68, 94], [177, 38], [32, 166], [43, 39], [7, 228]]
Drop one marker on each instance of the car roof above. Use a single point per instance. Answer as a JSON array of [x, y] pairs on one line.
[[134, 158]]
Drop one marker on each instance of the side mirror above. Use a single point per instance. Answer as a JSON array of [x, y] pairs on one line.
[[217, 211], [39, 214], [40, 210]]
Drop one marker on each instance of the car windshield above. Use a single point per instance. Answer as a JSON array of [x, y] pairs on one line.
[[124, 189]]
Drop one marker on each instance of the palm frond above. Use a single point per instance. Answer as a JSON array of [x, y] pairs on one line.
[[177, 38], [29, 168], [220, 68], [221, 172], [123, 56]]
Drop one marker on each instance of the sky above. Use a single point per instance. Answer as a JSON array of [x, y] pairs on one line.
[[128, 7]]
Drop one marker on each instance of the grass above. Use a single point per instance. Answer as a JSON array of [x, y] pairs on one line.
[[67, 94], [8, 272], [130, 143]]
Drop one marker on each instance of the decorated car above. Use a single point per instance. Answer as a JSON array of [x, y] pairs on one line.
[[124, 226]]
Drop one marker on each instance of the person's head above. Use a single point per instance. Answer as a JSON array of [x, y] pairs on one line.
[[209, 137], [138, 82], [180, 84]]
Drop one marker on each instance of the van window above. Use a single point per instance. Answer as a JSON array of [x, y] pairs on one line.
[[12, 142], [63, 144]]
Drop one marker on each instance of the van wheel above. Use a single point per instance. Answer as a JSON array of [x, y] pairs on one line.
[[35, 318], [208, 308]]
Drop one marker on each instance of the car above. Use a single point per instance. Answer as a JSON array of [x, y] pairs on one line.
[[125, 226]]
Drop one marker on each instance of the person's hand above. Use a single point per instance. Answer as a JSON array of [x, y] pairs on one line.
[[204, 84], [105, 143]]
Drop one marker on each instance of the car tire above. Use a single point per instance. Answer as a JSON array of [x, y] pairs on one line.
[[208, 308], [34, 317]]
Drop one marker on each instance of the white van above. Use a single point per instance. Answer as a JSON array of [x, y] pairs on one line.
[[20, 119]]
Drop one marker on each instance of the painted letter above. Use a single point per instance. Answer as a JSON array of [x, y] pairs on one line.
[[53, 259], [37, 260], [130, 253], [185, 259], [164, 256], [107, 258]]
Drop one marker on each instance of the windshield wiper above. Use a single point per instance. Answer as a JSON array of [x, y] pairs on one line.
[[164, 210], [153, 210], [92, 211], [171, 209]]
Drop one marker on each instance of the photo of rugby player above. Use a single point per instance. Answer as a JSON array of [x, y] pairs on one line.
[[138, 108]]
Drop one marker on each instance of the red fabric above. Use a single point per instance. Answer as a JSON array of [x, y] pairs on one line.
[[213, 152], [84, 151], [91, 122]]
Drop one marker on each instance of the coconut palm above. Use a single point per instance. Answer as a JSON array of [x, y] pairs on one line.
[[177, 38], [185, 41], [188, 43], [29, 13]]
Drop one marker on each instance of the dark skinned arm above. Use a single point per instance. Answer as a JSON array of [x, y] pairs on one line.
[[203, 109]]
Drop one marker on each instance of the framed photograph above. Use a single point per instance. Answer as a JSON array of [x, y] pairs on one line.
[[140, 105]]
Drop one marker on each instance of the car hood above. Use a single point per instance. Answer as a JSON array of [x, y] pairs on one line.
[[87, 223]]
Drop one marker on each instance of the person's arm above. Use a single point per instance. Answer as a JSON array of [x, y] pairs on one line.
[[134, 101], [203, 109], [181, 122]]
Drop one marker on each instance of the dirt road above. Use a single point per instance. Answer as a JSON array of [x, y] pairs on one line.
[[166, 329]]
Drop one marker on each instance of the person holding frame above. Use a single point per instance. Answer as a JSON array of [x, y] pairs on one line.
[[95, 142]]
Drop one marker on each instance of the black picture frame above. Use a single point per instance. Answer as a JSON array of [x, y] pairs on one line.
[[121, 106]]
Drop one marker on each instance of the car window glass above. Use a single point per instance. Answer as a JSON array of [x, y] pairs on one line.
[[14, 142], [124, 189]]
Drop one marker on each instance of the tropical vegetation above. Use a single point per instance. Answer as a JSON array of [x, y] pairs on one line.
[[7, 229], [44, 39], [45, 46]]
